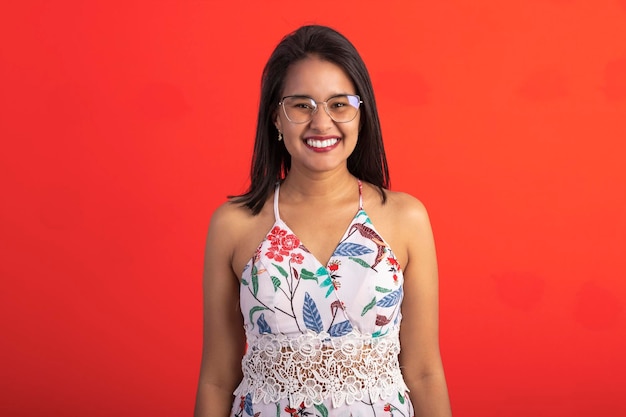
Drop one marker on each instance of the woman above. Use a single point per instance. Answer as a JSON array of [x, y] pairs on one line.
[[297, 272]]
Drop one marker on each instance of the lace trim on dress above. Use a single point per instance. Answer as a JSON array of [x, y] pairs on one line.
[[314, 366]]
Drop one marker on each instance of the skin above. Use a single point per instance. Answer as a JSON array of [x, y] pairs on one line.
[[319, 194]]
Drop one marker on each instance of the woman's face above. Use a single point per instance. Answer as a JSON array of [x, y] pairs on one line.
[[320, 145]]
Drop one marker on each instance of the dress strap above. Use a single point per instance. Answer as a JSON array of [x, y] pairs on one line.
[[276, 192], [360, 195]]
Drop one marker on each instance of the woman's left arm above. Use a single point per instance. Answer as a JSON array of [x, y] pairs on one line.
[[420, 357]]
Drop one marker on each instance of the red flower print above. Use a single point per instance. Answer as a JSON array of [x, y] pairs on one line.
[[334, 265], [293, 411], [394, 263], [297, 258], [290, 242], [336, 284], [395, 278], [276, 235], [280, 244], [275, 253], [387, 407]]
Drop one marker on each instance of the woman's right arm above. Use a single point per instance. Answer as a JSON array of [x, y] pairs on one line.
[[224, 338]]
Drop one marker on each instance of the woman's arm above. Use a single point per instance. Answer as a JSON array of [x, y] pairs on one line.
[[420, 358], [224, 338]]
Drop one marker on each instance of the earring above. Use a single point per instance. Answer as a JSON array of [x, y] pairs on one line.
[[280, 136]]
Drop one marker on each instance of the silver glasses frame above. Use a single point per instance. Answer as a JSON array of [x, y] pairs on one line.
[[317, 106]]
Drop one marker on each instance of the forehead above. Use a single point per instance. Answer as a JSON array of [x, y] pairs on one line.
[[317, 78]]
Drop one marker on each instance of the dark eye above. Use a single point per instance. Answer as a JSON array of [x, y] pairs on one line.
[[339, 103], [300, 103]]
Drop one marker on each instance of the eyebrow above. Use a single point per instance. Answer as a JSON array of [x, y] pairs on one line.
[[307, 96]]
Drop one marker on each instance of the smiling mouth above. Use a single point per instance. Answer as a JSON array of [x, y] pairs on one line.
[[320, 144]]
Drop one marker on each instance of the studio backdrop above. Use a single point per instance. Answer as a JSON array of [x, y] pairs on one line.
[[125, 124]]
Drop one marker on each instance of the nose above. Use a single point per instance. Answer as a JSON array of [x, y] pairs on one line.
[[321, 120]]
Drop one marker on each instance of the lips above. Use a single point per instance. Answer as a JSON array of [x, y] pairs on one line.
[[322, 143]]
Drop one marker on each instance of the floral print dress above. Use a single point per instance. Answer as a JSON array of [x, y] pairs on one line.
[[322, 339]]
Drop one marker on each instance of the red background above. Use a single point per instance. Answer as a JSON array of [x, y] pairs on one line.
[[124, 124]]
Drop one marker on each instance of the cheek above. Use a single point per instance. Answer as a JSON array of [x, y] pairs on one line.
[[291, 137], [353, 131], [292, 131]]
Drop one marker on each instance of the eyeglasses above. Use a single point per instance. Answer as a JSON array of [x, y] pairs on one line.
[[300, 109]]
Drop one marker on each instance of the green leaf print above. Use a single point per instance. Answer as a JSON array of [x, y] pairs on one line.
[[321, 272], [400, 398], [306, 274], [253, 310], [244, 282], [359, 261], [379, 333], [276, 282], [330, 291], [328, 281], [383, 290], [255, 284], [281, 270], [368, 307], [322, 409]]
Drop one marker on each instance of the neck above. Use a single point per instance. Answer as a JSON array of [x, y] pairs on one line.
[[318, 187]]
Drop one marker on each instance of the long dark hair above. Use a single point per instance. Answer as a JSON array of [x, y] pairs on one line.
[[271, 161]]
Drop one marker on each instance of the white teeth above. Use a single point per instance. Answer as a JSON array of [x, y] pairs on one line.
[[321, 143]]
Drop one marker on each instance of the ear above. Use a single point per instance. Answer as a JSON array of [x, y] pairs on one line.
[[277, 122]]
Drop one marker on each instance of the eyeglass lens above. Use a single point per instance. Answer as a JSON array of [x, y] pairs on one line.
[[299, 109]]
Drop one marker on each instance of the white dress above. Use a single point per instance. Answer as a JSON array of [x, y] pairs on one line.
[[322, 339]]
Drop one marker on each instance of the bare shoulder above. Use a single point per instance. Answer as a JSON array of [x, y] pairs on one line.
[[235, 233], [411, 224], [399, 207], [407, 208], [230, 217], [225, 229]]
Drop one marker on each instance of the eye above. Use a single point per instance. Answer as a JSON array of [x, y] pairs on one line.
[[300, 103], [339, 103]]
